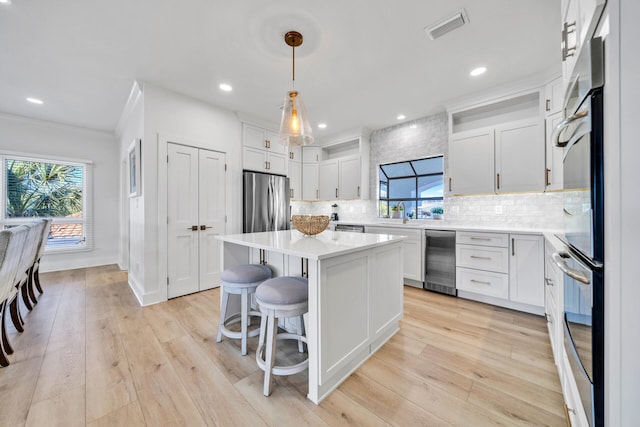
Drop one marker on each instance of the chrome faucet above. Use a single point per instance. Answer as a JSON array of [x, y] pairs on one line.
[[403, 210]]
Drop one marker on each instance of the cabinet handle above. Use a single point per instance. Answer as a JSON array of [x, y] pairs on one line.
[[566, 50], [336, 193], [546, 176], [449, 183], [266, 165], [269, 163], [548, 281], [480, 281], [547, 105], [480, 257], [317, 193], [513, 247], [498, 180], [358, 191], [480, 238], [267, 143]]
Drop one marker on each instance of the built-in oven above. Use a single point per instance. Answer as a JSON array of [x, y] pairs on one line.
[[580, 136]]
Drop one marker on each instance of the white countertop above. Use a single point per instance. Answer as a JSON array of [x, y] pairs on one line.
[[434, 224], [327, 244]]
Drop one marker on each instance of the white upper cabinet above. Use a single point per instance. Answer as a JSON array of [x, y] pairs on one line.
[[520, 157], [329, 180], [497, 146], [295, 180], [554, 97], [471, 169], [295, 153], [261, 151], [343, 168], [310, 190], [554, 154], [311, 154], [579, 21]]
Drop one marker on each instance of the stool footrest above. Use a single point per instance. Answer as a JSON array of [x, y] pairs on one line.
[[286, 369]]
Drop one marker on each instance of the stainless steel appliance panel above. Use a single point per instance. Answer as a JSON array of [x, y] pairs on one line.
[[265, 202], [440, 261], [350, 227]]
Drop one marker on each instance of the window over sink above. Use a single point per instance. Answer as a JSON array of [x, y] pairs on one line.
[[419, 184]]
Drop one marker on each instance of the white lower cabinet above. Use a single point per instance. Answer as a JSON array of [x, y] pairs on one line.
[[501, 269], [412, 249], [526, 269]]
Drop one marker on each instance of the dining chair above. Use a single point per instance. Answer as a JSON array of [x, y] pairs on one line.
[[22, 276], [35, 271], [11, 244]]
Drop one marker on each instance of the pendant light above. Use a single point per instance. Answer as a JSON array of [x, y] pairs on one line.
[[294, 127]]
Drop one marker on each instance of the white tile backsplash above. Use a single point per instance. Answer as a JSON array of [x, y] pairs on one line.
[[538, 211]]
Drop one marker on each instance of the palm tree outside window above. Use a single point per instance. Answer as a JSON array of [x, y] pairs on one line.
[[35, 188]]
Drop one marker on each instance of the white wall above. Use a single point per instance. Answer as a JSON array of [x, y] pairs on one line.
[[171, 116], [46, 139]]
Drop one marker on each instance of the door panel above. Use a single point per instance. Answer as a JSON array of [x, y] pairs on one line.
[[182, 211], [211, 215], [195, 197]]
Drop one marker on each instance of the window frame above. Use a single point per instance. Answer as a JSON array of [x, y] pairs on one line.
[[87, 199], [415, 200]]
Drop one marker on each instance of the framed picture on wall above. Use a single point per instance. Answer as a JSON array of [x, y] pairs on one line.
[[135, 185]]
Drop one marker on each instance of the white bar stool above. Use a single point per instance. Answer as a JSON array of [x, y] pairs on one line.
[[280, 297], [240, 280]]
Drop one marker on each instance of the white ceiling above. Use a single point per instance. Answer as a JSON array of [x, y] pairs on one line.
[[361, 64]]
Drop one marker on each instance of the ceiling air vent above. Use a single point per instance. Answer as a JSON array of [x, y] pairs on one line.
[[447, 24]]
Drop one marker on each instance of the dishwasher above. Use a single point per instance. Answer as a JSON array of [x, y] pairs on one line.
[[440, 262]]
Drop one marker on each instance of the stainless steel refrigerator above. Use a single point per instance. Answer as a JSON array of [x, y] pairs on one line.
[[265, 202]]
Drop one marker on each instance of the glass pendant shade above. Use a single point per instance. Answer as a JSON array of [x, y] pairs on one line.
[[295, 129]]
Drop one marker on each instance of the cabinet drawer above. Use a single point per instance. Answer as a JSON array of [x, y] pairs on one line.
[[484, 239], [483, 258], [483, 282]]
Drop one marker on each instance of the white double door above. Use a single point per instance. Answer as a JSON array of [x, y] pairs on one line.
[[196, 214]]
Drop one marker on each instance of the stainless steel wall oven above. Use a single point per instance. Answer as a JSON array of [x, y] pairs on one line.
[[581, 138]]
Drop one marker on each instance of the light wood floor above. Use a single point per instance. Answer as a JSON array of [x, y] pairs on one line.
[[90, 355]]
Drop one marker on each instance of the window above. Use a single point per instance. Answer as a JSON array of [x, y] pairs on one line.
[[57, 189], [416, 183]]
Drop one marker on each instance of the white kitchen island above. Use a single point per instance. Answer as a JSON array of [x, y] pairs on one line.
[[355, 294]]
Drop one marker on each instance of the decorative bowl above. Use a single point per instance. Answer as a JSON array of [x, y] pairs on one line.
[[310, 224]]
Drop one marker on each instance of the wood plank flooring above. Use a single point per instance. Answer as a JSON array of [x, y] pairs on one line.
[[91, 356]]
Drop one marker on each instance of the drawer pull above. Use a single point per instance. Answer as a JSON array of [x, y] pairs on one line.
[[480, 281], [488, 239], [481, 257]]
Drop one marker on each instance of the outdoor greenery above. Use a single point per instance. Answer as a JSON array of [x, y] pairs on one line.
[[36, 189]]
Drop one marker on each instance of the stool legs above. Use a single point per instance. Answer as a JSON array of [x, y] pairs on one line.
[[223, 313], [244, 314], [270, 353]]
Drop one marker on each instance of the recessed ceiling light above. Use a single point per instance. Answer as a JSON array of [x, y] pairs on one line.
[[401, 117], [478, 71], [225, 87], [35, 101], [322, 125]]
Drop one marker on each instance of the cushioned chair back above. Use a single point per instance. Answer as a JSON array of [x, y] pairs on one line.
[[30, 248], [44, 237], [12, 242]]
